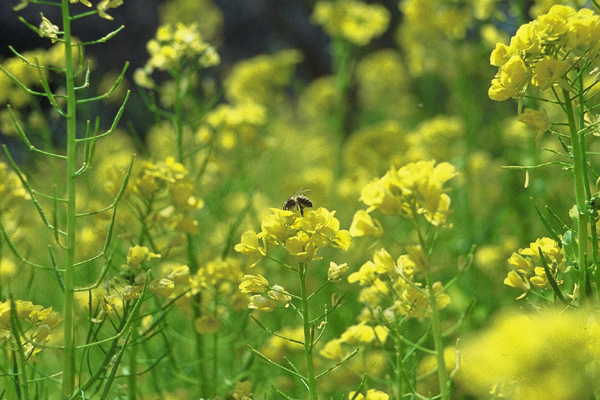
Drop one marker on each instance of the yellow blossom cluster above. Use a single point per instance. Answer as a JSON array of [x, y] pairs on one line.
[[11, 189], [372, 394], [135, 276], [390, 285], [428, 29], [353, 336], [301, 236], [550, 355], [542, 51], [170, 178], [262, 79], [36, 324], [171, 48], [353, 20], [21, 71], [232, 123], [415, 189], [258, 285], [527, 268], [217, 279]]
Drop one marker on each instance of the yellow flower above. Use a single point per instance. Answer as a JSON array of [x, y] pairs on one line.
[[536, 120], [532, 356], [416, 188], [7, 268], [254, 284], [139, 254], [280, 295], [105, 5], [352, 20], [48, 29], [259, 302], [262, 79], [303, 236], [249, 244], [372, 394], [365, 275], [332, 350], [515, 280], [163, 287], [548, 71], [500, 55], [335, 272], [363, 224], [528, 264]]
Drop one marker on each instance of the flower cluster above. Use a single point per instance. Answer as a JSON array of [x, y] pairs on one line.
[[262, 79], [36, 324], [542, 51], [232, 123], [527, 268], [170, 179], [352, 20], [415, 189], [391, 285], [302, 237], [171, 48], [258, 285], [522, 356], [216, 281], [354, 335], [372, 394], [11, 188]]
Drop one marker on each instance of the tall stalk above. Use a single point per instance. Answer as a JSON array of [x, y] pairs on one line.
[[69, 356], [308, 339], [438, 343], [579, 178]]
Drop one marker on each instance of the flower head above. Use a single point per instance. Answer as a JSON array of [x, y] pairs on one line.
[[352, 20], [415, 189]]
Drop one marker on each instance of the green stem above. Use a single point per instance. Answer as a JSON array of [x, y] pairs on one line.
[[579, 171], [399, 364], [68, 323], [308, 341], [215, 366], [133, 352], [436, 331], [178, 118]]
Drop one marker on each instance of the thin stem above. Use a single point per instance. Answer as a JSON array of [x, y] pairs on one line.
[[436, 331], [68, 323], [308, 342], [133, 354], [579, 178]]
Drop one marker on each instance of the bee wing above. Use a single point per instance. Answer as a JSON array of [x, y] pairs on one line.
[[301, 191]]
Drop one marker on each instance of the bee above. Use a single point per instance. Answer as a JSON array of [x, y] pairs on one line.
[[298, 201]]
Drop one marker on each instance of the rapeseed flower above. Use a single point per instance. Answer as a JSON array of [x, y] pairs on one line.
[[262, 79], [173, 47], [48, 29], [302, 237], [12, 191], [522, 356], [390, 285], [36, 324], [372, 394], [353, 20], [363, 224], [415, 189], [254, 284], [544, 50], [527, 267]]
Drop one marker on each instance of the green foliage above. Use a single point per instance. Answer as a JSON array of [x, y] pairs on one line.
[[185, 265]]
